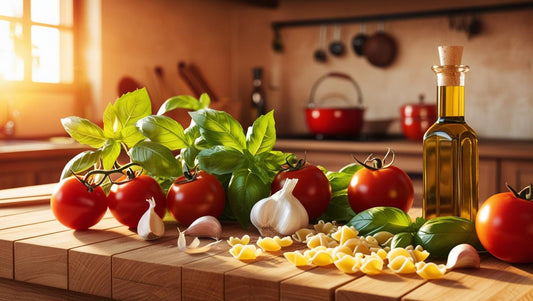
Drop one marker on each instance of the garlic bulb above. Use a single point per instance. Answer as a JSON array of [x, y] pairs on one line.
[[150, 225], [205, 226], [281, 213]]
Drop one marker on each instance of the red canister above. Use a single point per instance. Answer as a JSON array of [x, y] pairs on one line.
[[417, 118]]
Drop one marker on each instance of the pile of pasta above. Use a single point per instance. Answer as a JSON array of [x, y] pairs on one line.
[[343, 247], [330, 244]]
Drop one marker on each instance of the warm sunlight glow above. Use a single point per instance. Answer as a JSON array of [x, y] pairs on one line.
[[44, 44]]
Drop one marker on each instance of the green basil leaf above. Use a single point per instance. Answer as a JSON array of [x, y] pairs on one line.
[[219, 128], [351, 168], [220, 159], [244, 190], [84, 131], [112, 126], [440, 234], [131, 135], [339, 208], [204, 100], [189, 155], [261, 137], [155, 158], [81, 162], [164, 130], [401, 240], [373, 220], [179, 102], [191, 133], [110, 153], [272, 160], [132, 106]]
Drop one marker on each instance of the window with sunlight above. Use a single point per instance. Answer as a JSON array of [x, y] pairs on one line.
[[36, 41]]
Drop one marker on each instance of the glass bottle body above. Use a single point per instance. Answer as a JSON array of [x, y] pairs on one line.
[[450, 156]]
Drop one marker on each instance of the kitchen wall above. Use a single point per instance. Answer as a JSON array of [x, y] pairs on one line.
[[227, 38], [499, 98]]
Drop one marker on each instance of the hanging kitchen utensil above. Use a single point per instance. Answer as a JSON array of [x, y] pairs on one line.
[[358, 41], [127, 84], [277, 43], [195, 71], [380, 49], [475, 27], [320, 54], [337, 47], [189, 79]]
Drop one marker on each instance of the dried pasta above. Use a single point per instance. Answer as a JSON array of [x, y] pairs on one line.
[[344, 233], [430, 270], [245, 252], [273, 244], [326, 228], [321, 239], [232, 241], [372, 265], [296, 258], [302, 234]]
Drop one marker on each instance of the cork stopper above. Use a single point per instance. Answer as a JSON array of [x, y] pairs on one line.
[[451, 71], [450, 55]]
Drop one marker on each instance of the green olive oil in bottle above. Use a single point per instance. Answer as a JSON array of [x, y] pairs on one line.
[[450, 148]]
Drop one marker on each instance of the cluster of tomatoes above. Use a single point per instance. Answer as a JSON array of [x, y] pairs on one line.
[[80, 206]]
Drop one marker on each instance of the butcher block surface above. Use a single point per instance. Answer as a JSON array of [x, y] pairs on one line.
[[41, 259]]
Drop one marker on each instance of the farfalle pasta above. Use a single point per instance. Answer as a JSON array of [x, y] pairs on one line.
[[245, 252], [430, 270], [321, 239], [297, 258], [302, 234], [273, 244], [326, 228], [232, 241], [345, 233]]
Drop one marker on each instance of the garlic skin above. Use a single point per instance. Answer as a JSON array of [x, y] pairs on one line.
[[205, 226], [463, 256], [150, 226], [281, 213]]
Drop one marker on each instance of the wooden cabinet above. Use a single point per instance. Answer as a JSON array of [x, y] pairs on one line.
[[25, 163], [500, 162]]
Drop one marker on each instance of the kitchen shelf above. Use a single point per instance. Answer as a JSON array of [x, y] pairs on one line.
[[407, 15]]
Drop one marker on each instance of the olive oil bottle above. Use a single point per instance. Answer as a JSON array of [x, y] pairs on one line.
[[450, 148]]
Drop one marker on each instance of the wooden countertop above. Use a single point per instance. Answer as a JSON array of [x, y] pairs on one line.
[[40, 258]]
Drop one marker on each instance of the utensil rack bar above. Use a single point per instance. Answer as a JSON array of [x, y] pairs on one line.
[[402, 16]]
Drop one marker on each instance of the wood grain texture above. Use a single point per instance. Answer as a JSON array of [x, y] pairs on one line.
[[10, 235], [385, 286], [311, 285], [89, 266], [44, 259], [495, 280]]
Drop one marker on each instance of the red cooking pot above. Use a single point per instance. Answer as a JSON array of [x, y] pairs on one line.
[[417, 118], [335, 120]]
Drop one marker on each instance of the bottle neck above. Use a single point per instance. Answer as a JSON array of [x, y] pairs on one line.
[[451, 92]]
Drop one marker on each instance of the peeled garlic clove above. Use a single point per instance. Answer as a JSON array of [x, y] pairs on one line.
[[182, 242], [205, 226], [463, 256], [150, 226]]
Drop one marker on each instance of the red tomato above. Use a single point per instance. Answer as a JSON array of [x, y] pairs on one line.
[[312, 190], [189, 200], [384, 186], [127, 202], [75, 207], [504, 226]]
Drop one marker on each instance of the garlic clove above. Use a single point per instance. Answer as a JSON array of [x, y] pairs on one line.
[[202, 249], [182, 242], [463, 256], [205, 226], [150, 226]]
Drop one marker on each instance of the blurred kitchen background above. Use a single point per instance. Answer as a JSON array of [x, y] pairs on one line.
[[224, 40]]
